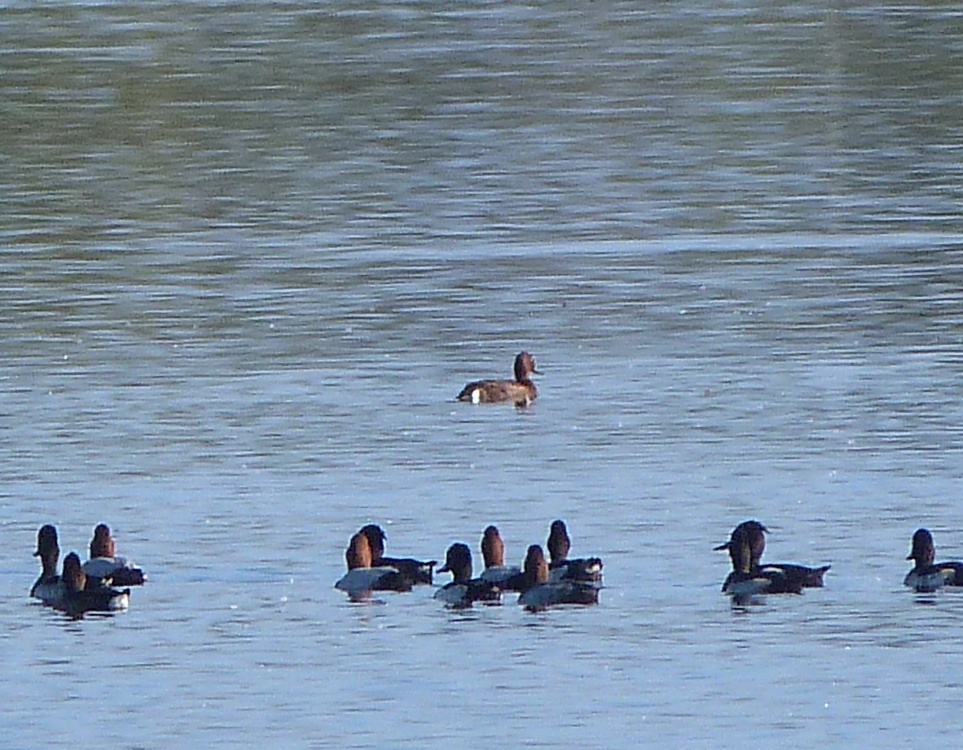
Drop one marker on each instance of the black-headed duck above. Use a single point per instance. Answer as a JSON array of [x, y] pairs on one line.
[[539, 592], [50, 587], [506, 577], [84, 596], [560, 566], [417, 571], [106, 566], [796, 576], [521, 391], [361, 578], [464, 590], [927, 575]]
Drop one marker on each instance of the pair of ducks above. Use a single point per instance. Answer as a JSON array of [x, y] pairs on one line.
[[540, 582], [369, 570], [88, 587], [521, 391], [749, 577]]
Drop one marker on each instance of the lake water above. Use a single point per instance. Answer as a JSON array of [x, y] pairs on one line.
[[250, 252]]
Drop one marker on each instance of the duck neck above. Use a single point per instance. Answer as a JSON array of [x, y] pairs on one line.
[[461, 573], [48, 561]]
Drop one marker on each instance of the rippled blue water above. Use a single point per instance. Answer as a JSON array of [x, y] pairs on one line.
[[250, 254]]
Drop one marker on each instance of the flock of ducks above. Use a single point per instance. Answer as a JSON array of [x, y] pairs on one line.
[[89, 587], [751, 577], [545, 582], [540, 582]]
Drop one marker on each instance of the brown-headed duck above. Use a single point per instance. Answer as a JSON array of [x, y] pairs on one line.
[[521, 391], [927, 575], [50, 587], [416, 571], [106, 566], [560, 566], [464, 590], [361, 578], [795, 576], [506, 577], [540, 592]]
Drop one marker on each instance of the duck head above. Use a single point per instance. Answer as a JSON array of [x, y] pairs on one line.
[[536, 566], [493, 548], [924, 550], [525, 367], [74, 577], [559, 543], [103, 544], [458, 563], [376, 539], [358, 554]]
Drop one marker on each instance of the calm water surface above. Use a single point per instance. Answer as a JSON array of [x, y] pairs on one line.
[[250, 253]]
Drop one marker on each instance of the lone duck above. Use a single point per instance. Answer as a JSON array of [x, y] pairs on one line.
[[464, 590], [797, 576], [539, 592], [521, 391], [928, 576]]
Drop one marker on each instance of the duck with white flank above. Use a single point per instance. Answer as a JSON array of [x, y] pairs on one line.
[[747, 579], [50, 587], [540, 592], [361, 578], [104, 564], [586, 569], [84, 596], [464, 590], [796, 576], [927, 575], [416, 571]]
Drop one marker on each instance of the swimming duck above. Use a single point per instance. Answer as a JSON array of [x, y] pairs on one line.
[[86, 596], [106, 566], [748, 578], [747, 581], [540, 592], [416, 571], [362, 578], [464, 590], [521, 391], [50, 587], [561, 567], [928, 576], [799, 576], [506, 577]]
